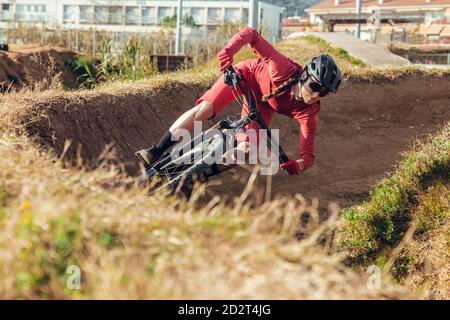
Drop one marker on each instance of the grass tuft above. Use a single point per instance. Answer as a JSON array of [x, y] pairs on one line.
[[338, 52], [129, 245], [415, 196]]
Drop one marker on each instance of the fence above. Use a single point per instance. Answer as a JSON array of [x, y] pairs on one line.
[[167, 63], [429, 58], [201, 45]]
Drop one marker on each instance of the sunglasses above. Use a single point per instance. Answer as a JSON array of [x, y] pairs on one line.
[[317, 87], [313, 84]]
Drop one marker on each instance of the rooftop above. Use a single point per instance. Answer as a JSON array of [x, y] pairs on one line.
[[342, 4]]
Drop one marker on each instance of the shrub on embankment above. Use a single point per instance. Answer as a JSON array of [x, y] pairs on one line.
[[404, 226]]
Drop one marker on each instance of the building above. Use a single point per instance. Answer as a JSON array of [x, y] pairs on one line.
[[297, 24], [136, 16], [390, 11], [398, 20]]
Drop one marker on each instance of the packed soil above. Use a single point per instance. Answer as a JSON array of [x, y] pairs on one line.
[[32, 65], [362, 131]]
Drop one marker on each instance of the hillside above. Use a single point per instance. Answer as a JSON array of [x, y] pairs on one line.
[[294, 7]]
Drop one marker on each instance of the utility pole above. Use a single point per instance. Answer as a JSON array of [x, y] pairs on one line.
[[42, 33], [69, 40], [253, 14], [94, 44], [14, 21], [178, 28], [77, 34], [358, 14]]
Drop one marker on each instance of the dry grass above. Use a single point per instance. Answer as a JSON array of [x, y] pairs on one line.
[[429, 270], [424, 262], [404, 226], [130, 245]]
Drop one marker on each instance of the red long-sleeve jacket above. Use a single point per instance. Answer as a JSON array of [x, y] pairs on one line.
[[270, 71]]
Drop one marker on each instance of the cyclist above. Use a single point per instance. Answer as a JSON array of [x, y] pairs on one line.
[[279, 85]]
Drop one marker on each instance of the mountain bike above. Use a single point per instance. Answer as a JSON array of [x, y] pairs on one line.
[[196, 159]]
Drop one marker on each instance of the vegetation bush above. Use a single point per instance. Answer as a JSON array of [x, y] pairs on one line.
[[415, 198]]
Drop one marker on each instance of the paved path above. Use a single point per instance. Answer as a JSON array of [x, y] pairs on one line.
[[372, 54]]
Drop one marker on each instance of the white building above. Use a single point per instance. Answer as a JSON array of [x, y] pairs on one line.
[[136, 15], [387, 11]]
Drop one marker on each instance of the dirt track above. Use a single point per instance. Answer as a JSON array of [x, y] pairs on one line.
[[362, 130]]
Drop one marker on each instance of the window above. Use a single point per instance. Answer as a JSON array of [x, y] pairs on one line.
[[70, 13], [132, 15], [22, 12], [86, 14], [148, 15], [115, 15], [231, 15], [21, 8], [434, 16], [198, 14], [5, 13], [186, 12], [244, 15], [101, 14], [164, 12], [214, 15]]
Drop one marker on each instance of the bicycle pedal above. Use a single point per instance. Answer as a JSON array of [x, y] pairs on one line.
[[203, 177], [224, 124]]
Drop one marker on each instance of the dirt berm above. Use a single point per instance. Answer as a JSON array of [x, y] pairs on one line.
[[33, 65], [362, 130]]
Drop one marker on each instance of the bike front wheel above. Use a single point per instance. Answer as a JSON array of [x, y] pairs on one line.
[[177, 169]]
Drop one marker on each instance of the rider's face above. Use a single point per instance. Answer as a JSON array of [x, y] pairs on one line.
[[308, 95], [302, 92]]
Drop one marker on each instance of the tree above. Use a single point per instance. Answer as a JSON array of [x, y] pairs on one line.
[[171, 22]]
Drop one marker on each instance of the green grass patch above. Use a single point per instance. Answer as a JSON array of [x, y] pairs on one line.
[[417, 190], [107, 239], [3, 197], [341, 53]]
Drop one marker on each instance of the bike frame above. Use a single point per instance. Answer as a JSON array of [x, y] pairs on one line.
[[232, 79]]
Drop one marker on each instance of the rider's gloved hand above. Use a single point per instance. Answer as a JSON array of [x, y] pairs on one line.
[[225, 57], [292, 166]]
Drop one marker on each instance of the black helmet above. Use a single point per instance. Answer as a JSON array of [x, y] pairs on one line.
[[324, 69]]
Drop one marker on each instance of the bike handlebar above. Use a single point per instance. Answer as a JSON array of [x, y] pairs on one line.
[[231, 78]]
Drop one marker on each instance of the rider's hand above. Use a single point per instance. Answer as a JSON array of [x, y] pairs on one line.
[[292, 166], [225, 57]]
